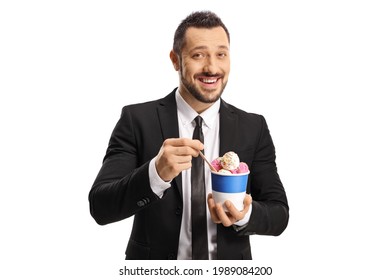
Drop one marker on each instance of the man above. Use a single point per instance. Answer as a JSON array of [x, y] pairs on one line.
[[147, 168]]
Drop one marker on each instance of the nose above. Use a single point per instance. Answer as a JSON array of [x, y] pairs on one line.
[[210, 65]]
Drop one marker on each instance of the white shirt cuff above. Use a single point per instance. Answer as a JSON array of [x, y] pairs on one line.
[[245, 220], [158, 185]]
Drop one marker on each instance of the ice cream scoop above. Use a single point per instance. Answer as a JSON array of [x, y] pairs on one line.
[[217, 163], [230, 161]]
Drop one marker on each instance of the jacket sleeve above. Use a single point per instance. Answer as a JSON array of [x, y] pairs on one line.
[[270, 210], [122, 185]]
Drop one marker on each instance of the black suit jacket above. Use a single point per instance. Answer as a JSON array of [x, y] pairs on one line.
[[122, 187]]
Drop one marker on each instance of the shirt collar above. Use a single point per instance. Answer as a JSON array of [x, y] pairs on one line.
[[187, 114]]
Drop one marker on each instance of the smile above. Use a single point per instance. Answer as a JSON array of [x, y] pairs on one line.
[[208, 81]]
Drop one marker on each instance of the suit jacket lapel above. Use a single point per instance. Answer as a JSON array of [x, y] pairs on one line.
[[228, 139], [167, 112], [228, 135]]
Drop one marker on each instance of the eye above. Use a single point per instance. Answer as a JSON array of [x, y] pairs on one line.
[[198, 55], [222, 55]]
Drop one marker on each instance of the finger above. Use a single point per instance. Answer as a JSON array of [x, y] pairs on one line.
[[247, 201], [234, 213], [182, 159], [176, 161], [223, 216], [186, 151], [178, 142], [169, 166], [212, 209], [181, 151], [247, 204]]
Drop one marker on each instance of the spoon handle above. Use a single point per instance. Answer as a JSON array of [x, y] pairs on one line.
[[208, 163]]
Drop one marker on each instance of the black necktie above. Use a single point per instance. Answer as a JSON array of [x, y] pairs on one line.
[[200, 249]]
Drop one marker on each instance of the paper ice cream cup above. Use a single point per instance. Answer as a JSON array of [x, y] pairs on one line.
[[230, 187]]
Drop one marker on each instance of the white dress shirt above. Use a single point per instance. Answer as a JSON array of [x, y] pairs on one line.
[[210, 127]]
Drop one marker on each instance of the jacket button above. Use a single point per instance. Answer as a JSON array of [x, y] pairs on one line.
[[171, 256], [178, 211], [140, 203], [143, 202]]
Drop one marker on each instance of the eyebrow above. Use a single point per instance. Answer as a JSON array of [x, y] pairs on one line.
[[204, 48]]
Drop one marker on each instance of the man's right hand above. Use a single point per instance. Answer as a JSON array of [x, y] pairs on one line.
[[175, 155]]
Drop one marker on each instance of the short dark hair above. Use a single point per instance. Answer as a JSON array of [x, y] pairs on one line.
[[201, 19]]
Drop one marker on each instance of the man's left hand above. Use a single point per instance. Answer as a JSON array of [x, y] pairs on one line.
[[218, 214]]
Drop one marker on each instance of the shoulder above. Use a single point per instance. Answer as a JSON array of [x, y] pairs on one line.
[[242, 115], [149, 106]]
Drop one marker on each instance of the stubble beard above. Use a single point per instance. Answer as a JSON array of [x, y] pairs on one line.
[[191, 88]]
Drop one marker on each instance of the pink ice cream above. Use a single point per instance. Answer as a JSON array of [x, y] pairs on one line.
[[216, 163], [242, 168]]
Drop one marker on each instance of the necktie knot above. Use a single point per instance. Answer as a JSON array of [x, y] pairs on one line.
[[198, 121], [198, 133]]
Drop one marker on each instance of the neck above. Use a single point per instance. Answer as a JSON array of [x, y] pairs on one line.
[[195, 104]]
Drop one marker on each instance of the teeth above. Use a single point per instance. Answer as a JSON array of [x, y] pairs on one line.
[[209, 81]]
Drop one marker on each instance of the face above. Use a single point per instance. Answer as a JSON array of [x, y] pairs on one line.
[[203, 66]]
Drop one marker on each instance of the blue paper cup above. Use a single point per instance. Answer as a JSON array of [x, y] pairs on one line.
[[230, 187]]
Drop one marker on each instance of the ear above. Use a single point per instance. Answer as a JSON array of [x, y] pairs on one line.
[[175, 60]]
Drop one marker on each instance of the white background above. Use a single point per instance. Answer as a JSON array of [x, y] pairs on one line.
[[319, 71]]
